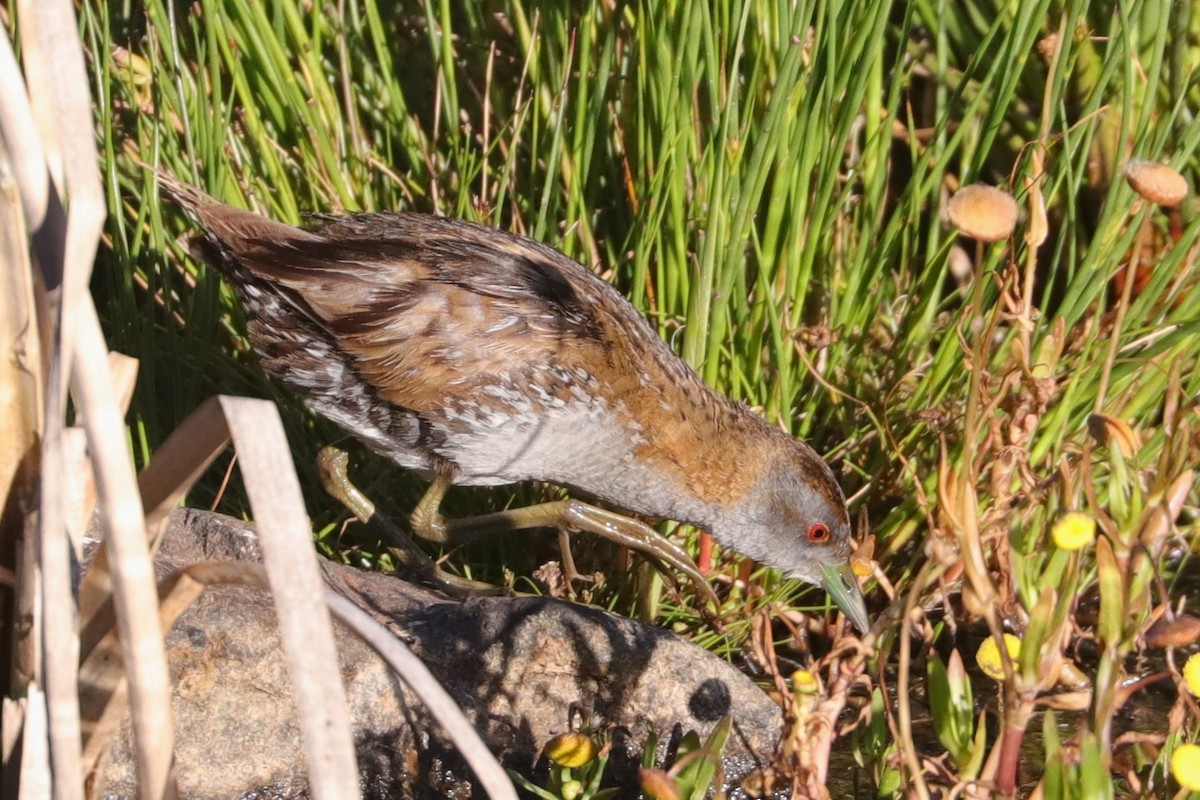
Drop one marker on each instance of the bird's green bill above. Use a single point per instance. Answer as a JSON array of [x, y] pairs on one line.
[[842, 586]]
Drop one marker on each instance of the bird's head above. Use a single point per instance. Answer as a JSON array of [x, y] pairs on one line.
[[795, 520]]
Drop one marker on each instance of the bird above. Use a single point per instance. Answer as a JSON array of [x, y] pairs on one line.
[[479, 357]]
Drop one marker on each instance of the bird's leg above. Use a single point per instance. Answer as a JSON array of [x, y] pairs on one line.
[[332, 465], [426, 519], [428, 523], [580, 516], [570, 573], [565, 515]]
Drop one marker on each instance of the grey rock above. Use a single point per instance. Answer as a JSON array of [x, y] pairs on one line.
[[518, 667]]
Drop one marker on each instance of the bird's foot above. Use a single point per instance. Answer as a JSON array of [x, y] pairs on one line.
[[570, 574], [333, 467], [426, 519]]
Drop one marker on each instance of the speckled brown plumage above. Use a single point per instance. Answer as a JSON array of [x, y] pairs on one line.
[[489, 358]]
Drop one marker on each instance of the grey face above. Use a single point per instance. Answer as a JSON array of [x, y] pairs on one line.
[[804, 516], [797, 522]]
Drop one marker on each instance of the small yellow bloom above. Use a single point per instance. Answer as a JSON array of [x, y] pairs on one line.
[[1191, 674], [804, 682], [571, 790], [988, 655], [1185, 766], [571, 749], [1073, 530]]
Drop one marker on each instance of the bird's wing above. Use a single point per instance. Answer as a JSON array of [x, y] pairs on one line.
[[407, 295]]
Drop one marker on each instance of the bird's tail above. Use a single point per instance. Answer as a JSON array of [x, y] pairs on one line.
[[235, 230], [186, 196]]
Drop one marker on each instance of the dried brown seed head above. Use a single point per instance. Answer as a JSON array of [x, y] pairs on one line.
[[1156, 182], [983, 212], [1111, 431], [1179, 631], [1047, 46]]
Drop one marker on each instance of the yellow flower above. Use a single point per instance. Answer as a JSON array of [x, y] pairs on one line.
[[1073, 530], [1185, 766], [1191, 674], [988, 655], [571, 749], [804, 682]]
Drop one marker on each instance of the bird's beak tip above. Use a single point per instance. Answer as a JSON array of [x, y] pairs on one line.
[[842, 586]]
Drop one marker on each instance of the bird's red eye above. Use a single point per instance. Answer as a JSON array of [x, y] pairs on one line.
[[818, 532]]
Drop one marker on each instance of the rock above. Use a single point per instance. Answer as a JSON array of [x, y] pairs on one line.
[[517, 666]]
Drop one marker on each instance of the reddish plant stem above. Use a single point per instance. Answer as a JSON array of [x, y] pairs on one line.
[[1016, 719]]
